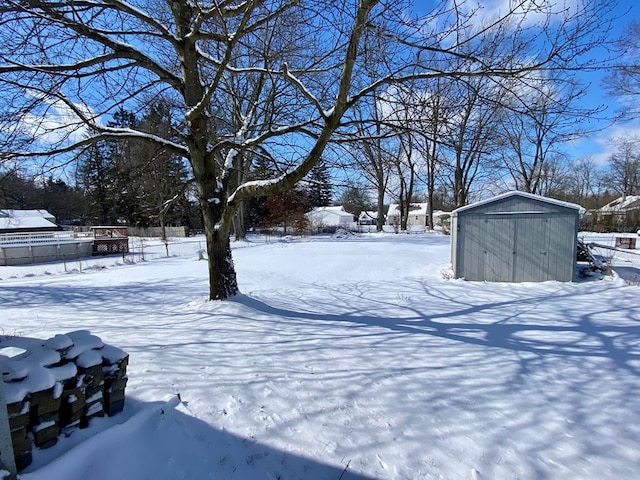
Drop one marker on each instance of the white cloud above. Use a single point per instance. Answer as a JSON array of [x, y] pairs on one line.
[[529, 12], [603, 143], [58, 123]]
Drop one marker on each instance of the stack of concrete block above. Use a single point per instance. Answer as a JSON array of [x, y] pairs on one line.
[[45, 415], [19, 421], [114, 364], [57, 385]]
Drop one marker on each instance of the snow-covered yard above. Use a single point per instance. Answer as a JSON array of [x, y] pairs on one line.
[[352, 358]]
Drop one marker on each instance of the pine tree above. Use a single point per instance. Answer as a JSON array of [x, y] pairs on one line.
[[256, 209], [96, 172], [319, 189]]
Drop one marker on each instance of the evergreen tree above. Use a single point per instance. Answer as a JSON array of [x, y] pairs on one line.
[[63, 201], [125, 175], [319, 189], [16, 191], [161, 180], [96, 174], [256, 209]]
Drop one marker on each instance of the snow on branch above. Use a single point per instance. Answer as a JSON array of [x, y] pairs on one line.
[[256, 185], [305, 91]]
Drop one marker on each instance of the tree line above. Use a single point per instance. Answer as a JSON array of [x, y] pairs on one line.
[[125, 182]]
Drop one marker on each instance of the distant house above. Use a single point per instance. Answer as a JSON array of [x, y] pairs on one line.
[[417, 215], [441, 219], [32, 236], [20, 221], [368, 217], [622, 214], [329, 219]]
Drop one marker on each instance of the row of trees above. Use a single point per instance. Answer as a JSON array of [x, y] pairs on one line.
[[55, 195], [282, 82], [118, 182], [485, 135]]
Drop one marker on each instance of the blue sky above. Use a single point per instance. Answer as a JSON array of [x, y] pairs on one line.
[[598, 144], [595, 144]]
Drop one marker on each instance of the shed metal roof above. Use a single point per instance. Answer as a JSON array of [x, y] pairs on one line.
[[518, 194]]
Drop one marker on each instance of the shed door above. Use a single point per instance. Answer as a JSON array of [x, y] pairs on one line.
[[516, 248], [499, 239], [531, 258]]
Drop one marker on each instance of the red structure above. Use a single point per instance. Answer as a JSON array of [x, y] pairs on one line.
[[110, 240]]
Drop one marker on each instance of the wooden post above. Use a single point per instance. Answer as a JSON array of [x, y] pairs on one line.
[[7, 460]]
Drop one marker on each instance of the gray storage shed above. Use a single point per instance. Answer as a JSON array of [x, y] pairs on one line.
[[515, 237]]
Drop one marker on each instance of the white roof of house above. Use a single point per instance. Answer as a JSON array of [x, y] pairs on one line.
[[414, 209], [25, 213], [9, 223], [337, 211], [621, 204], [25, 219], [441, 213]]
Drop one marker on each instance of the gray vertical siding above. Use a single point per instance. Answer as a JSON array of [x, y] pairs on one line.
[[515, 239]]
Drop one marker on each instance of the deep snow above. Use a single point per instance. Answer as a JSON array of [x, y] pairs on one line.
[[343, 358]]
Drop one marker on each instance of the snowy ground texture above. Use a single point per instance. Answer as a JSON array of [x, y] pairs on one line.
[[344, 358]]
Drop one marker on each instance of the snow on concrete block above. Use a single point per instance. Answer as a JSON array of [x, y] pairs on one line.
[[89, 358], [114, 364], [116, 396], [92, 410], [94, 407], [93, 376], [112, 385], [72, 406], [95, 410], [60, 343], [113, 355], [18, 408], [19, 420], [45, 404], [65, 374], [45, 435], [82, 341]]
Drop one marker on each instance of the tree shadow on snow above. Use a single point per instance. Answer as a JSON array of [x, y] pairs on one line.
[[631, 275], [512, 324]]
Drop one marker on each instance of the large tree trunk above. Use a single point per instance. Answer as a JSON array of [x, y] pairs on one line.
[[459, 189], [222, 274], [380, 207]]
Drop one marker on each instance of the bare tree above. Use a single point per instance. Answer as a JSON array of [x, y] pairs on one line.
[[433, 110], [405, 166], [623, 80], [367, 149], [537, 121], [624, 167], [65, 67], [469, 138], [585, 182]]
